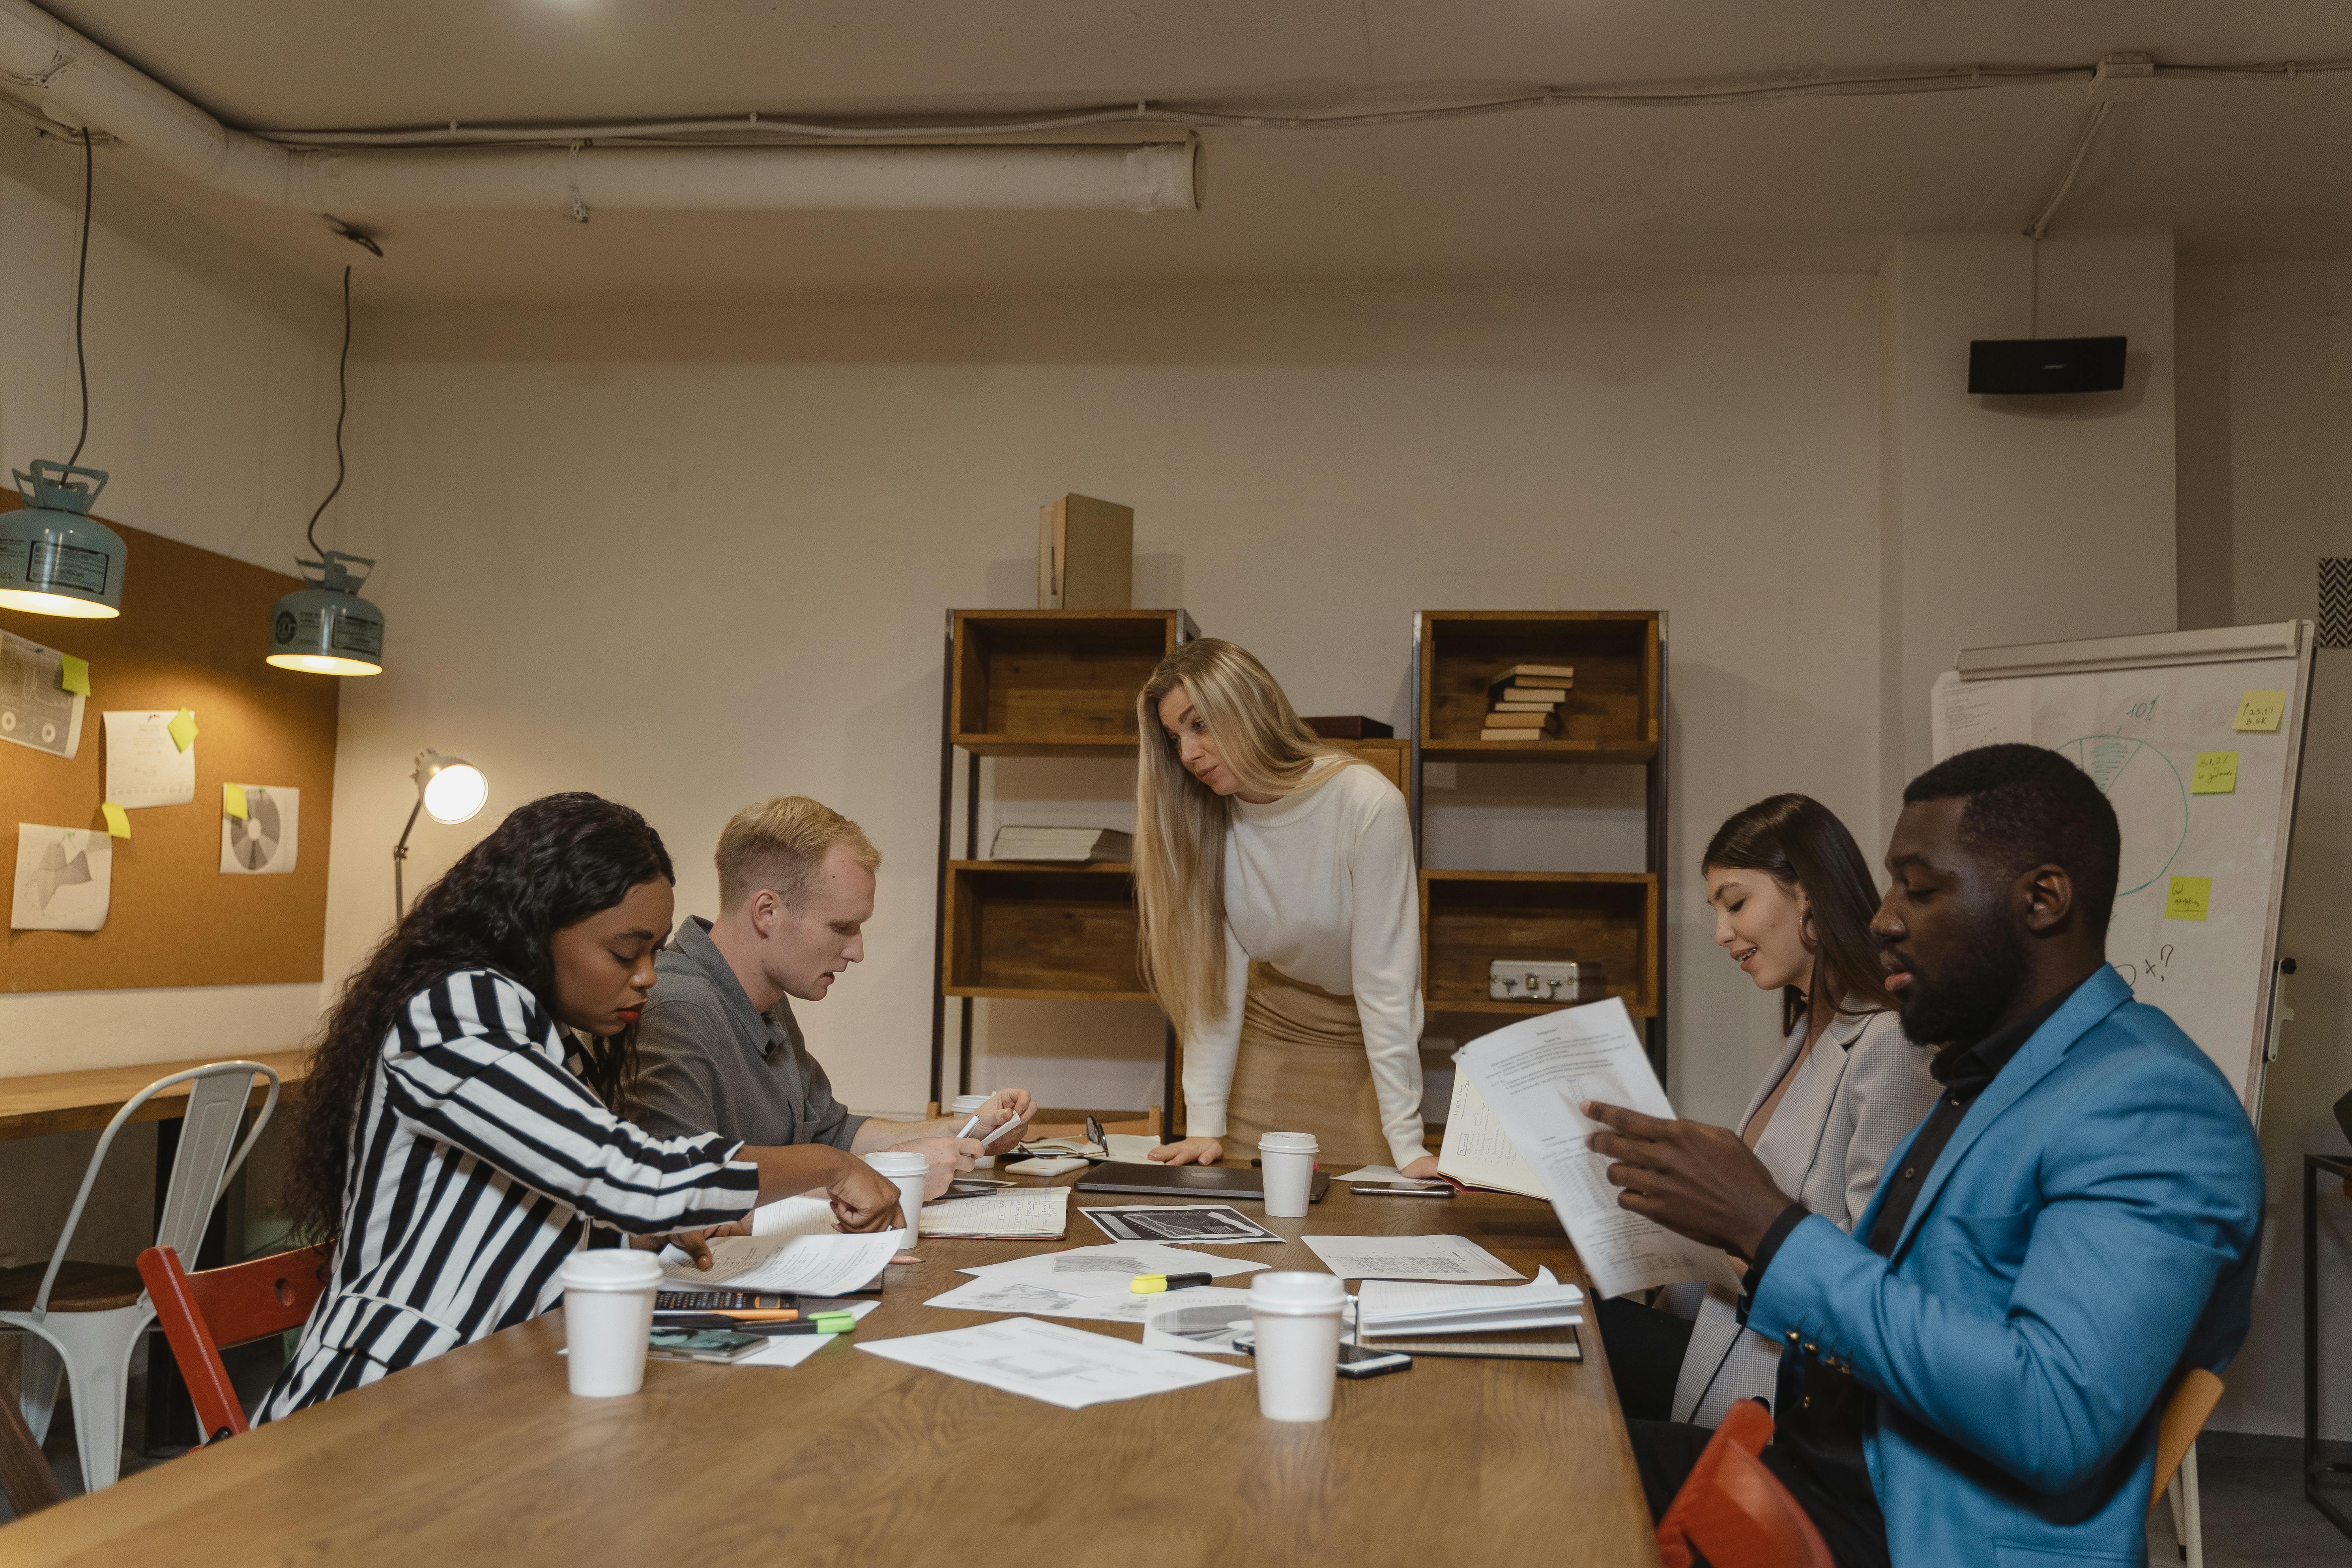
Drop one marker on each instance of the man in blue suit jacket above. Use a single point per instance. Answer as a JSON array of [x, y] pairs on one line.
[[1975, 1375]]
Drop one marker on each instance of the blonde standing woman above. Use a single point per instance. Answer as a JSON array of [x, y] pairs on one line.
[[1281, 920]]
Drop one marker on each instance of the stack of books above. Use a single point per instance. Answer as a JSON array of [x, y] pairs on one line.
[[1075, 845], [1523, 702]]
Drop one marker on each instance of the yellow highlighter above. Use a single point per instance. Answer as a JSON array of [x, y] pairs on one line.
[[1153, 1284]]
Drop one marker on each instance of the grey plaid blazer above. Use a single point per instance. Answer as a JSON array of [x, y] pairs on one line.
[[1857, 1097]]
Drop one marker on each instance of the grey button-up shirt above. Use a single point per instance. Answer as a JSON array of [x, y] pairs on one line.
[[708, 1061]]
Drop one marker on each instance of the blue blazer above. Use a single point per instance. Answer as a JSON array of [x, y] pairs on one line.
[[2089, 1233]]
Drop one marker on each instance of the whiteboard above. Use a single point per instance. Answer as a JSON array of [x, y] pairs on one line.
[[2137, 713]]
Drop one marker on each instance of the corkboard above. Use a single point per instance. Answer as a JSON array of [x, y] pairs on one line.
[[192, 631]]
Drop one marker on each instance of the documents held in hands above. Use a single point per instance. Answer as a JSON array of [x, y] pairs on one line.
[[1535, 1077], [815, 1264]]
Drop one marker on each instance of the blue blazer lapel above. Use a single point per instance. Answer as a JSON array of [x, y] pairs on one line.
[[2096, 998]]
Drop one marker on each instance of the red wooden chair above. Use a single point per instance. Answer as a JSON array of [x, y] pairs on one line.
[[200, 1312], [1732, 1510]]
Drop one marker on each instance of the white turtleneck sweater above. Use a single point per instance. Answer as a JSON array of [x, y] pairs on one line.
[[1320, 884]]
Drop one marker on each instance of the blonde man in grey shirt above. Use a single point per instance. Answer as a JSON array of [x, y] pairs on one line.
[[717, 1046]]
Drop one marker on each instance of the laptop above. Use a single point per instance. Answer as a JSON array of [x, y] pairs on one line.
[[1157, 1181]]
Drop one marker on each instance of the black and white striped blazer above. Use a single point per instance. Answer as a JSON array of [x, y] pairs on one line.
[[478, 1162]]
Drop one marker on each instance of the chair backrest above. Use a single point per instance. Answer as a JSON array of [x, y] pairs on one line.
[[200, 1312], [1733, 1511], [199, 1171], [2185, 1415]]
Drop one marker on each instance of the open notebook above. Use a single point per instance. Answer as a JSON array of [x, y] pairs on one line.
[[1034, 1213], [1477, 1151]]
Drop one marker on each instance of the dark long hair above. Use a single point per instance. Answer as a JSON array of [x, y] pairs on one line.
[[550, 863], [1801, 843]]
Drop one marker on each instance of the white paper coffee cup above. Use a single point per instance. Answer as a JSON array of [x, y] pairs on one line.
[[608, 1314], [911, 1171], [964, 1107], [1295, 1315], [1288, 1162]]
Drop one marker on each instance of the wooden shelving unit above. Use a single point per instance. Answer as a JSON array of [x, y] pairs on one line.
[[1037, 683], [1614, 714]]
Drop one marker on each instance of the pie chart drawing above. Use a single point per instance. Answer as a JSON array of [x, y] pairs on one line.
[[256, 837], [2150, 801]]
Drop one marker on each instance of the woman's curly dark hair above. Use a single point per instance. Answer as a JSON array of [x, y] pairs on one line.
[[550, 863]]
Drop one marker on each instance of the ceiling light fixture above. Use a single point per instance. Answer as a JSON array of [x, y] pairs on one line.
[[326, 628], [55, 558], [449, 790]]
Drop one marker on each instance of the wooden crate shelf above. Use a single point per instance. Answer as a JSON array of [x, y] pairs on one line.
[[1612, 711], [1055, 683], [1469, 918], [1037, 932]]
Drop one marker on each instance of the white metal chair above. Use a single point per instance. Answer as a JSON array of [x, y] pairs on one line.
[[85, 1319]]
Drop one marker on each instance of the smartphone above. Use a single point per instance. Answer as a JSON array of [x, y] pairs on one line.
[[1405, 1189], [703, 1344], [1362, 1360]]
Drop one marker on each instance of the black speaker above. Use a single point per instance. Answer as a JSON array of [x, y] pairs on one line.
[[2045, 364]]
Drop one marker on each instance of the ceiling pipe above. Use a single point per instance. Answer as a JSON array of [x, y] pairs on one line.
[[77, 83]]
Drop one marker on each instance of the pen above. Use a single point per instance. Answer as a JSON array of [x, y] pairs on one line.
[[1153, 1284], [968, 1127]]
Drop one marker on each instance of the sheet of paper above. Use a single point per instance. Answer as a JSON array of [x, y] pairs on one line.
[[1199, 1322], [1374, 1174], [1476, 1150], [1182, 1224], [1534, 1075], [1965, 714], [265, 841], [65, 879], [791, 1350], [1014, 1212], [1064, 1366], [36, 710], [1134, 1148], [1542, 1303], [1108, 1270], [143, 766], [816, 1265], [803, 1215], [1408, 1258], [986, 1295]]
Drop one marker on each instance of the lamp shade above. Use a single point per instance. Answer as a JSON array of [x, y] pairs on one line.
[[55, 558], [327, 628], [452, 788]]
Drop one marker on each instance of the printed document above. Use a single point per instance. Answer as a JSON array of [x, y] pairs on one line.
[[1408, 1258], [803, 1215], [1015, 1212], [992, 1294], [35, 707], [812, 1265], [1535, 1075], [1182, 1224], [1476, 1150], [1068, 1367], [1110, 1269], [1199, 1322], [143, 767]]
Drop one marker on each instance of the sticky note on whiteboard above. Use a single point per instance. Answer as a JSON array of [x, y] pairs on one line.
[[2189, 898], [2260, 711], [2217, 774]]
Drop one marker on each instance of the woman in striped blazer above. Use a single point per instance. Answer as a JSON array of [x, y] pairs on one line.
[[457, 1140], [1794, 899]]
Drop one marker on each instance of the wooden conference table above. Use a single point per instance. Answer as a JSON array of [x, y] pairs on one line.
[[484, 1456]]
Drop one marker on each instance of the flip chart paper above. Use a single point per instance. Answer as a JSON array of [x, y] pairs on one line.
[[73, 674], [146, 765], [117, 821], [1535, 1076], [233, 799], [2189, 898], [1965, 714], [2217, 774], [2260, 712]]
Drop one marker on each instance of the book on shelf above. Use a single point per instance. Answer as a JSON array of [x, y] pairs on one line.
[[1510, 692], [1543, 677], [1075, 845], [1523, 707], [1552, 734], [1531, 718]]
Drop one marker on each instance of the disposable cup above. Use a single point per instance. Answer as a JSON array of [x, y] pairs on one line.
[[608, 1315], [1288, 1160], [963, 1107], [911, 1171], [1295, 1315]]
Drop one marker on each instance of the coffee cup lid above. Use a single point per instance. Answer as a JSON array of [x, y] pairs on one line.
[[965, 1104], [1289, 1143], [1297, 1289], [611, 1269], [898, 1163]]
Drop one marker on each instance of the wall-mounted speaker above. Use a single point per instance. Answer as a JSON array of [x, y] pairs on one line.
[[2014, 365]]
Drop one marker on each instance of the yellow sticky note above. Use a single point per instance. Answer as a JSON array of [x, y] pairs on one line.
[[2189, 898], [2260, 710], [73, 675], [233, 799], [117, 821], [2217, 774], [184, 729]]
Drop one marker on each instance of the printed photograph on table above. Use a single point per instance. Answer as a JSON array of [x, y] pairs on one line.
[[64, 878], [1182, 1224], [262, 839]]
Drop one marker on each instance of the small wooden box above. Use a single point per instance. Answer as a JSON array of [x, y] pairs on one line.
[[1085, 555]]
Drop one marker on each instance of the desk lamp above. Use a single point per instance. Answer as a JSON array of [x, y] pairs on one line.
[[448, 790]]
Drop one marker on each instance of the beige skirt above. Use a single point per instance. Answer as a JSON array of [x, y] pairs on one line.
[[1302, 1069]]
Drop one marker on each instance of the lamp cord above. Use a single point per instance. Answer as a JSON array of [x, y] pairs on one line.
[[342, 406], [82, 273]]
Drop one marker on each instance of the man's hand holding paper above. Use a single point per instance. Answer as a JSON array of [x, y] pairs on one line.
[[1696, 1180]]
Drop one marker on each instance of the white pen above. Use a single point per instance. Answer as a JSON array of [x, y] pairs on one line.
[[969, 1126]]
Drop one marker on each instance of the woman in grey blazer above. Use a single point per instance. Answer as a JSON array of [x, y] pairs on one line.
[[1794, 900]]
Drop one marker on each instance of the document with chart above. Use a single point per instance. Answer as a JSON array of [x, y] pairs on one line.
[[1534, 1076]]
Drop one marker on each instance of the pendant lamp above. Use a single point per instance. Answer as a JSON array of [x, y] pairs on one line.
[[55, 558], [325, 627]]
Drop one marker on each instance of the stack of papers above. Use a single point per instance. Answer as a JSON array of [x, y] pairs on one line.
[[1088, 1282], [1408, 1258], [1388, 1307], [1035, 1214], [1064, 1366]]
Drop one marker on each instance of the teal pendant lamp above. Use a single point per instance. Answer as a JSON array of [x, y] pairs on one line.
[[55, 558], [325, 627]]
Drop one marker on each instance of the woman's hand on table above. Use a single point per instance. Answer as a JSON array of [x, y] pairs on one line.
[[1188, 1151], [695, 1244], [1421, 1170]]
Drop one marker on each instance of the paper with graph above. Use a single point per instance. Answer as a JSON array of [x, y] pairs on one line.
[[1533, 1076]]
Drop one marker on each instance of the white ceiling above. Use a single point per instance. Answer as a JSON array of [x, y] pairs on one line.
[[2238, 170]]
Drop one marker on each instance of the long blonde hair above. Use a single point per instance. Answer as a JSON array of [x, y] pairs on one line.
[[1180, 823]]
